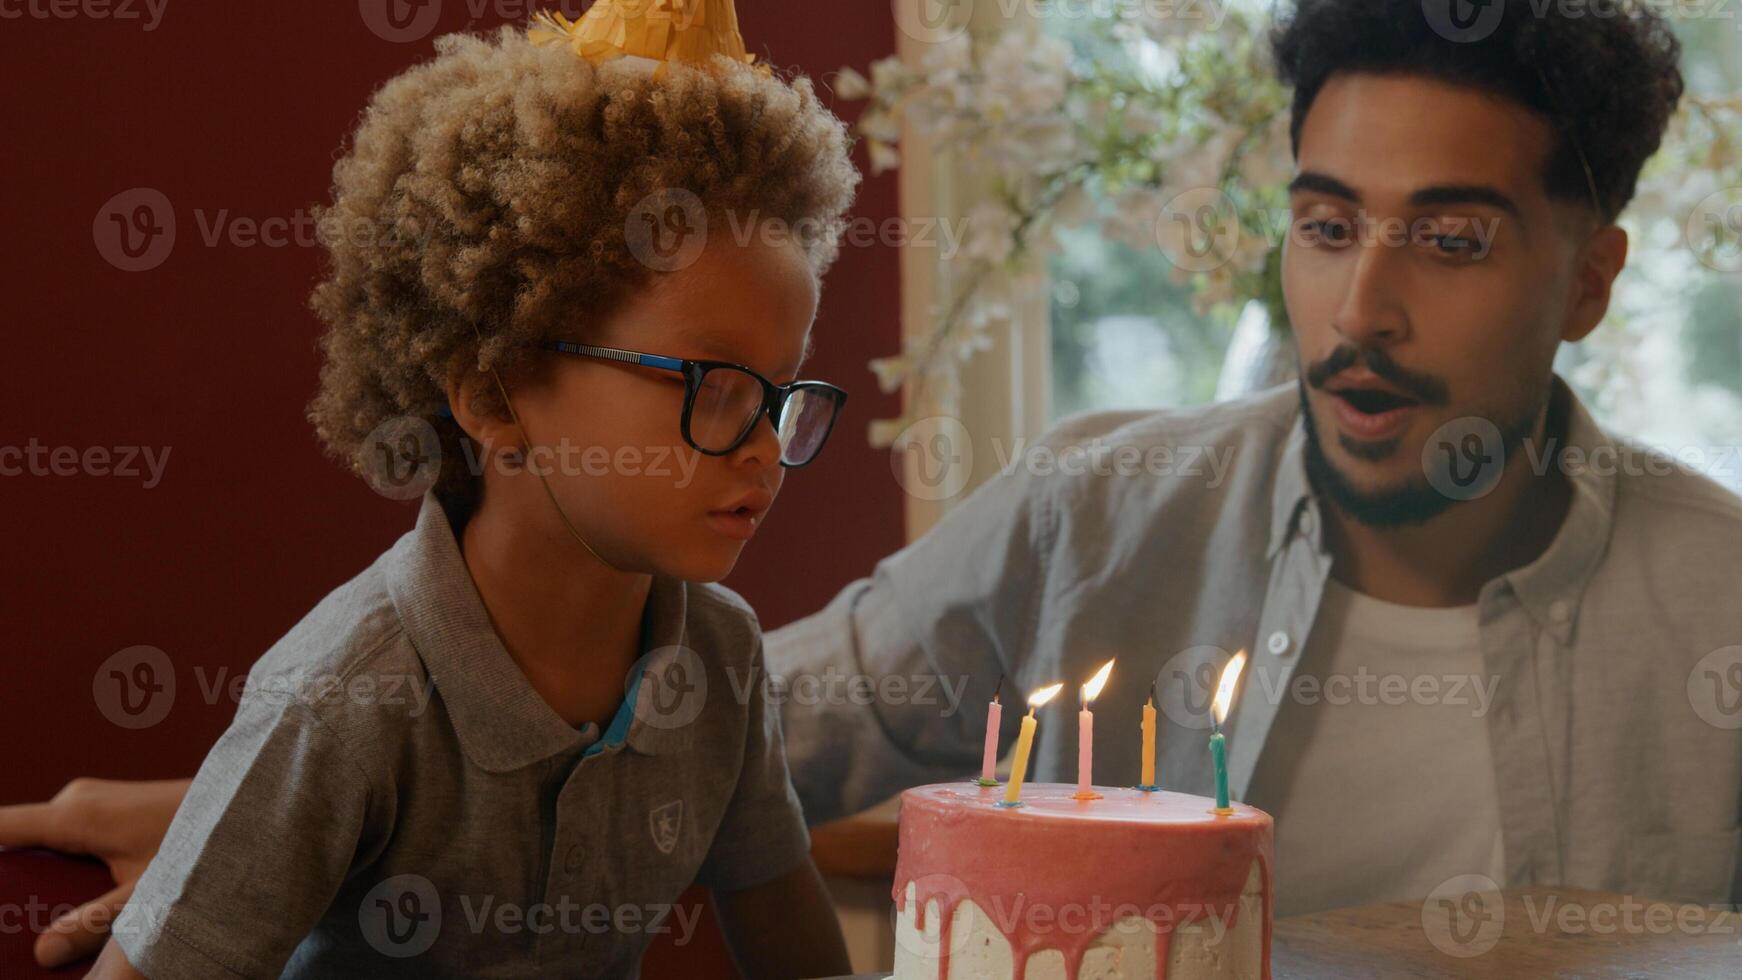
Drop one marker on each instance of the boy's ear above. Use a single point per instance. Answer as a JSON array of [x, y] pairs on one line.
[[1600, 262], [493, 431]]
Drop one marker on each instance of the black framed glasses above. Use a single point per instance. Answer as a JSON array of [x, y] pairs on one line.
[[723, 402]]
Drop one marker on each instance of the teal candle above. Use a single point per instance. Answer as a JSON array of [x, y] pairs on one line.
[[1219, 752]]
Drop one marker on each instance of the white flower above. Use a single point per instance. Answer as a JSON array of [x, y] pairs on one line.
[[991, 233], [888, 74], [884, 157], [849, 84], [880, 126], [950, 57], [891, 372]]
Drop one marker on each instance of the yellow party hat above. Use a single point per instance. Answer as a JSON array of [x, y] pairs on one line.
[[663, 31]]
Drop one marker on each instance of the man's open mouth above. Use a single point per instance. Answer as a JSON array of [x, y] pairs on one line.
[[1374, 401]]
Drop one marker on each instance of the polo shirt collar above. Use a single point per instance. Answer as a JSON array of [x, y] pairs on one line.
[[1550, 587], [501, 722]]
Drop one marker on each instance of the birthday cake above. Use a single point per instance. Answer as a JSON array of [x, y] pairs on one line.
[[1151, 885]]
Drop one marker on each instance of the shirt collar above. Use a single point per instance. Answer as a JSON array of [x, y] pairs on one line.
[[1550, 587], [502, 723]]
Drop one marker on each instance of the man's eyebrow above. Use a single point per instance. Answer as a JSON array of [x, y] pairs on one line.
[[1312, 181]]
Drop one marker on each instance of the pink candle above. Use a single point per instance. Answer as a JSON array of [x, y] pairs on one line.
[[1085, 750], [988, 767]]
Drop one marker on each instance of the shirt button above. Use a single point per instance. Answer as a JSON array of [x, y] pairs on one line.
[[572, 860], [1278, 643], [1561, 611]]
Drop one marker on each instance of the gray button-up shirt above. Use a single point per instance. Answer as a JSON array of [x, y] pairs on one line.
[[394, 798], [1169, 540]]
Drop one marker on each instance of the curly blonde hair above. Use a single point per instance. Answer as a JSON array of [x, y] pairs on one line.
[[486, 194]]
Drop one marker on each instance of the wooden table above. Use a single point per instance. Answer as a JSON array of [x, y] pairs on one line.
[[1544, 932]]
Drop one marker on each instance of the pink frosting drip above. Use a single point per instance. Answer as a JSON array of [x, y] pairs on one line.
[[1056, 872]]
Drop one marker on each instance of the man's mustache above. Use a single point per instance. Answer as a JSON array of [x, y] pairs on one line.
[[1424, 388]]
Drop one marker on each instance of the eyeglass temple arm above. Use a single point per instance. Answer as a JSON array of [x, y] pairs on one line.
[[626, 356]]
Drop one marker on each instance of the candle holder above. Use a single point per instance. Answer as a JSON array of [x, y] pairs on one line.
[[983, 781], [1007, 804], [1147, 788], [1087, 795], [1222, 811]]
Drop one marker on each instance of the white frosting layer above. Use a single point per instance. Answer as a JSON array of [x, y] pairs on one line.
[[1203, 950]]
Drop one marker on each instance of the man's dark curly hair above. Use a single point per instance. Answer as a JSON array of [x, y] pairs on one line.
[[1605, 78]]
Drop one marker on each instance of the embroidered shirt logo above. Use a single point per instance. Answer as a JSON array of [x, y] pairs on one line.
[[664, 821]]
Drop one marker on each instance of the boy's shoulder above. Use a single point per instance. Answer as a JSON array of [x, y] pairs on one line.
[[349, 660], [718, 617]]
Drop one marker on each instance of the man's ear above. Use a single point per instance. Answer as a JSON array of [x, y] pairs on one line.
[[1599, 262], [493, 431]]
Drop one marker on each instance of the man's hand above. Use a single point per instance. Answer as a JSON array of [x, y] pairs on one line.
[[121, 824], [785, 929]]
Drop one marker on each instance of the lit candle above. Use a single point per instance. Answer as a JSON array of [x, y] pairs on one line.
[[1024, 741], [1086, 733], [1218, 714], [1148, 784], [994, 715]]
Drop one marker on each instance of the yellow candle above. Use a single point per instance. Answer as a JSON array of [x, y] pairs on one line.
[[1020, 770], [1025, 741], [1149, 742]]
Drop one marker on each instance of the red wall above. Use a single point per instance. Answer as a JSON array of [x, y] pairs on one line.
[[237, 107]]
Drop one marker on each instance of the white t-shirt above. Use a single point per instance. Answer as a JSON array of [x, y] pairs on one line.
[[1378, 769]]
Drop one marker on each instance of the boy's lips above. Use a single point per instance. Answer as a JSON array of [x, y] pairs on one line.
[[740, 518]]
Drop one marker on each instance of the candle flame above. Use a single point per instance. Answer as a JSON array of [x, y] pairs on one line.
[[1225, 686], [1044, 695], [1091, 689]]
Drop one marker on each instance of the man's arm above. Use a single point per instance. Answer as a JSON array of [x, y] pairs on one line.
[[784, 928], [121, 824], [902, 663]]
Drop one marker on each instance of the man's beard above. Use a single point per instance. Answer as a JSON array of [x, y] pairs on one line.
[[1411, 503]]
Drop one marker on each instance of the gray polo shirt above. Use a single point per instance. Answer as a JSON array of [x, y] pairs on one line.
[[1172, 539], [394, 799]]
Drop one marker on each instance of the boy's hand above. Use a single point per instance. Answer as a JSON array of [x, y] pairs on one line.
[[785, 929], [121, 824]]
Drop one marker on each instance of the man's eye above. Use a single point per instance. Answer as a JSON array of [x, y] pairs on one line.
[[1329, 231]]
